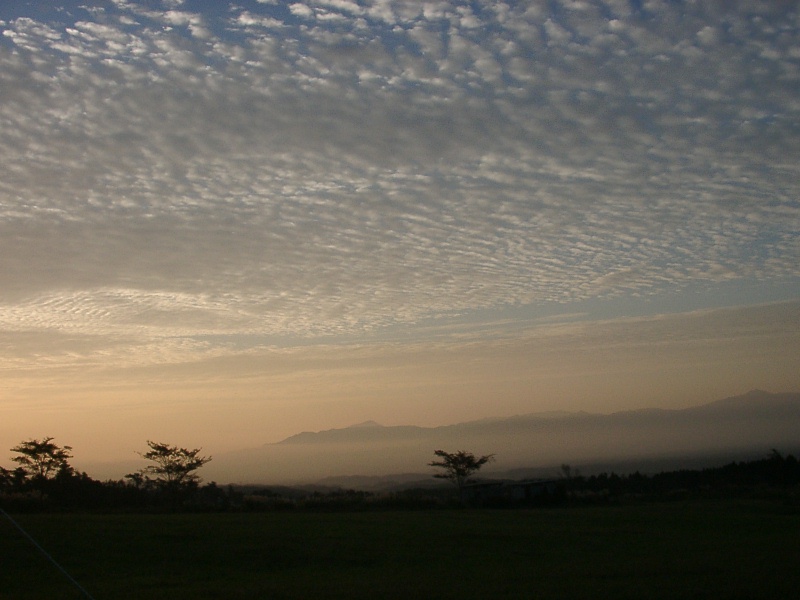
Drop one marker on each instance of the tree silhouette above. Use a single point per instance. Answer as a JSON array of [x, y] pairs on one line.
[[42, 459], [459, 466], [174, 468]]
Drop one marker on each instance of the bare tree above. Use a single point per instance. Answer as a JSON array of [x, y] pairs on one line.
[[459, 466], [42, 459]]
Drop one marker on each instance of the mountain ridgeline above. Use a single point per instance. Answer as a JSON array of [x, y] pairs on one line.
[[738, 428]]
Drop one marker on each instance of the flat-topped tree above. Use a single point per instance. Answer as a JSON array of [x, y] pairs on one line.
[[174, 468], [459, 466], [42, 459]]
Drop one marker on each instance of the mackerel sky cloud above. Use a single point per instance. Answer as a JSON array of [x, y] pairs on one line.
[[190, 181]]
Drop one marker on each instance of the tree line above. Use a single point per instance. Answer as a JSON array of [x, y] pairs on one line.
[[775, 475], [44, 479]]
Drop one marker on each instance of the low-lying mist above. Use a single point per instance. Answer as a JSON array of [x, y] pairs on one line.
[[740, 427]]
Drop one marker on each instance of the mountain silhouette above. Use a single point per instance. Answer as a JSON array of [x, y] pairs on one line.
[[742, 426]]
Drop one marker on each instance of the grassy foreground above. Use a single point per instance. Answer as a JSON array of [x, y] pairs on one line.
[[680, 550]]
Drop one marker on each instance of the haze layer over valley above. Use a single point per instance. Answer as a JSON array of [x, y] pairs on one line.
[[746, 426]]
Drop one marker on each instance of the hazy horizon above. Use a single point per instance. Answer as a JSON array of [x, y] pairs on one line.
[[224, 223], [743, 427]]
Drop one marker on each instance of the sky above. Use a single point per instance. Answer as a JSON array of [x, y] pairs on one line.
[[223, 223]]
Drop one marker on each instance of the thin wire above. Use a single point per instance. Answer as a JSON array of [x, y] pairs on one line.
[[43, 551]]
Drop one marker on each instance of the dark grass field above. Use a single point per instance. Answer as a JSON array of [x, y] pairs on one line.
[[707, 549]]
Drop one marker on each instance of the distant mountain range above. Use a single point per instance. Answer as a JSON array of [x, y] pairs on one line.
[[742, 427]]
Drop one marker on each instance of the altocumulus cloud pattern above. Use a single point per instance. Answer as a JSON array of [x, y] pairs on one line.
[[178, 171]]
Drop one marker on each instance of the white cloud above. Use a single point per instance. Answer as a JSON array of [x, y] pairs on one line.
[[246, 19], [301, 10], [348, 6], [261, 177]]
